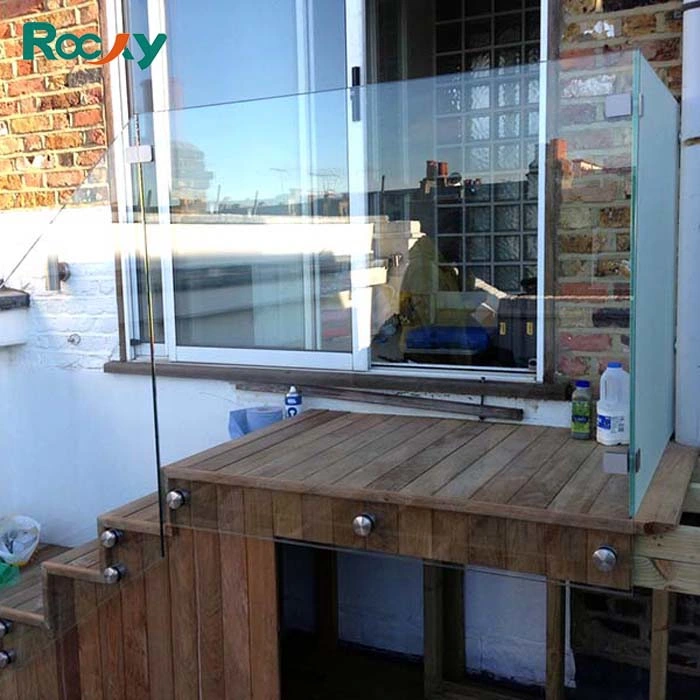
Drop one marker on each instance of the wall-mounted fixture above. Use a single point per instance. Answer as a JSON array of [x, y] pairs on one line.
[[14, 316], [56, 272]]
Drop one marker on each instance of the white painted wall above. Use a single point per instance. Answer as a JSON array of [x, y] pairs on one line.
[[75, 442]]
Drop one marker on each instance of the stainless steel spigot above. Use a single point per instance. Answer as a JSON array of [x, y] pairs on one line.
[[177, 498], [5, 627], [7, 657], [111, 538], [605, 559], [363, 524], [114, 574]]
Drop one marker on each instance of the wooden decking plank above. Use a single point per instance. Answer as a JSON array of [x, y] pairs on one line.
[[366, 453], [263, 618], [210, 610], [68, 556], [323, 461], [613, 500], [662, 506], [504, 485], [259, 440], [585, 485], [89, 560], [446, 469], [235, 614], [546, 483], [183, 599], [220, 451], [30, 577], [419, 463], [282, 457], [133, 506], [384, 463], [88, 640], [148, 514], [469, 480], [159, 631], [111, 639], [328, 449], [24, 590], [273, 453], [134, 625], [35, 604]]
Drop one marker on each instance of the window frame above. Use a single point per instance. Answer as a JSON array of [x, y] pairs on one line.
[[359, 359]]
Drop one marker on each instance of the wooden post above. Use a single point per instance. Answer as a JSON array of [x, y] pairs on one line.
[[556, 639], [433, 633], [454, 654], [263, 620], [658, 665], [327, 598]]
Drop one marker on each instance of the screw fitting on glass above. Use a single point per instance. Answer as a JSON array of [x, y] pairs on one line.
[[7, 657], [114, 574], [363, 524], [177, 498], [111, 538], [605, 559]]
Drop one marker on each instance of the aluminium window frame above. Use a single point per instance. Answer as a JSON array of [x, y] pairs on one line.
[[359, 359]]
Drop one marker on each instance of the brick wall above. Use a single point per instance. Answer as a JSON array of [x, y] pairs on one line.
[[592, 245], [617, 627], [52, 121]]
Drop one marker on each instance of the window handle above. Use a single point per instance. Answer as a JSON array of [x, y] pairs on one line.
[[355, 97]]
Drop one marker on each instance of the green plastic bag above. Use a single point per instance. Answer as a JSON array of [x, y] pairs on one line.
[[9, 575]]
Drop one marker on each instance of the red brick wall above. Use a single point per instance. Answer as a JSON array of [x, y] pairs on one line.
[[592, 244], [52, 121]]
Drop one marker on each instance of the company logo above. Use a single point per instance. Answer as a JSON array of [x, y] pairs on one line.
[[43, 36]]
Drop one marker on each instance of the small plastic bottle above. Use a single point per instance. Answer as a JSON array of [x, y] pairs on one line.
[[581, 411], [292, 403]]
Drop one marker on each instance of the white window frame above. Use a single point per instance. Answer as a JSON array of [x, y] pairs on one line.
[[359, 359]]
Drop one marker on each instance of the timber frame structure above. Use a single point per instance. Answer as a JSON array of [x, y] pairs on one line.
[[123, 622]]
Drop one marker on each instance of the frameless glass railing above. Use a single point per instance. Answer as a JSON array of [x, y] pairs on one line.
[[499, 224], [470, 225], [77, 443]]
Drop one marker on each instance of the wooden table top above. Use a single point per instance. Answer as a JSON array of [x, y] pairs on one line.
[[522, 472]]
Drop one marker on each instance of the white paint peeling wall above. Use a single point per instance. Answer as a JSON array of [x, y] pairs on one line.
[[77, 442]]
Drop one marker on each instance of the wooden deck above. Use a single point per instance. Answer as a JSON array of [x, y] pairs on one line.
[[524, 472], [24, 601], [524, 498], [520, 498]]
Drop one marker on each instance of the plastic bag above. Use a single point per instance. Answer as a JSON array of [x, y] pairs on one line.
[[19, 538]]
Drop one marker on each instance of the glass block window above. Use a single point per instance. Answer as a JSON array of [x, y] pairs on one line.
[[486, 130]]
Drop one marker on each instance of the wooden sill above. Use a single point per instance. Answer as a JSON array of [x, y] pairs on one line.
[[283, 377]]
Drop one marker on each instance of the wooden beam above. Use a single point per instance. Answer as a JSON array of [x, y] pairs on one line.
[[659, 645], [390, 399], [432, 629], [454, 654], [662, 506], [556, 640], [681, 544], [667, 575]]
